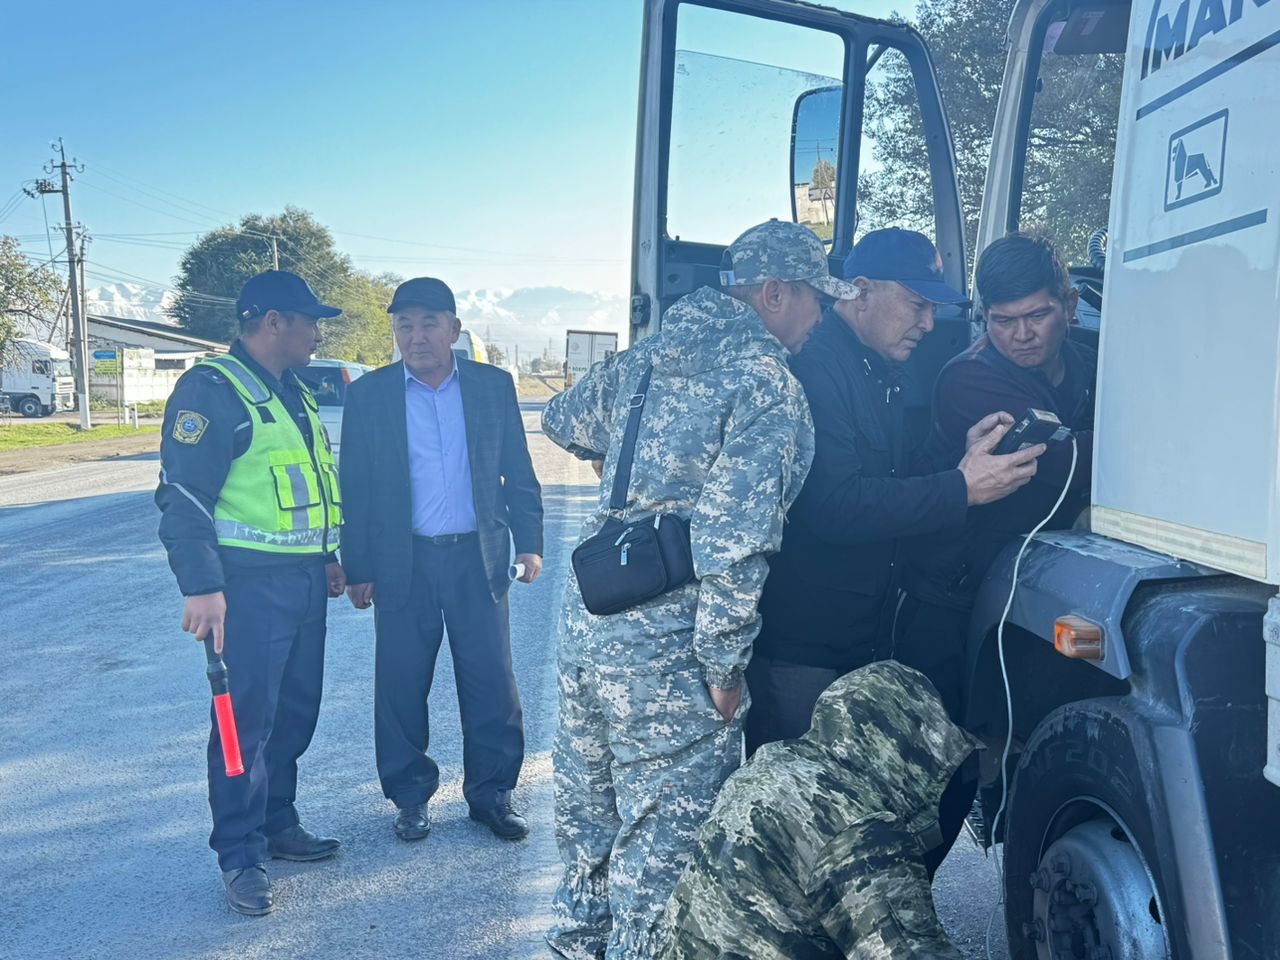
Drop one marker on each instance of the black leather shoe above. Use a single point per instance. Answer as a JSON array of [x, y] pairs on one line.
[[299, 843], [503, 821], [248, 890], [412, 823]]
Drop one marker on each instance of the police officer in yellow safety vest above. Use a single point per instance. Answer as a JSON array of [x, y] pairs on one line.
[[250, 518]]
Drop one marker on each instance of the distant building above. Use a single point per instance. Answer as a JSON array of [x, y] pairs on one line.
[[150, 357], [814, 205]]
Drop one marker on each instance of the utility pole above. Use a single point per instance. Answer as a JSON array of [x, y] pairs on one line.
[[275, 253], [79, 323], [84, 291]]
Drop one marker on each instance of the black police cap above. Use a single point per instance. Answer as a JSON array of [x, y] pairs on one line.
[[283, 291]]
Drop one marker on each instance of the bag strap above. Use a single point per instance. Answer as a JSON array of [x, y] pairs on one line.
[[622, 473]]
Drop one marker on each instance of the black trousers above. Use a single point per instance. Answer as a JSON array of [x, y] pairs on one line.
[[783, 696], [931, 639], [274, 652], [450, 590]]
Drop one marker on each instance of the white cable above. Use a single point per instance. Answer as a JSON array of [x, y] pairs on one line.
[[1008, 691]]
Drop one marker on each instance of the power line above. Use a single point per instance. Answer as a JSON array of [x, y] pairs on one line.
[[144, 206], [163, 233], [162, 197], [121, 178], [79, 338], [126, 275], [11, 205], [44, 210], [500, 253]]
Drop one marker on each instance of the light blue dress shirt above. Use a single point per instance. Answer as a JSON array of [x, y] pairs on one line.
[[439, 471]]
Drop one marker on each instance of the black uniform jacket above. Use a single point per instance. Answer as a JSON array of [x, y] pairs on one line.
[[193, 470], [947, 568], [829, 585], [377, 502]]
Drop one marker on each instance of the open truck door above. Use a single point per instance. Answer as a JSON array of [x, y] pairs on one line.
[[754, 110]]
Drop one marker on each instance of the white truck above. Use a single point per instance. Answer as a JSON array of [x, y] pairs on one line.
[[1141, 820], [36, 380], [583, 349]]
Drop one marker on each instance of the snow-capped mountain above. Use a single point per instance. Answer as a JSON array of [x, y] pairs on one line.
[[131, 301], [534, 319]]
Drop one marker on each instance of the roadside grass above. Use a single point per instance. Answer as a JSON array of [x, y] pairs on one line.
[[536, 388], [24, 436], [151, 408]]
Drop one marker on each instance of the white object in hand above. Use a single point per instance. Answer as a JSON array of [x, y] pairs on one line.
[[515, 571]]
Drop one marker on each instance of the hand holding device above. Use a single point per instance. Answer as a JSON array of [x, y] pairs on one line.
[[1036, 426], [989, 477]]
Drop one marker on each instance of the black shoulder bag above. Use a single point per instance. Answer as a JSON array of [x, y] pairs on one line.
[[627, 564]]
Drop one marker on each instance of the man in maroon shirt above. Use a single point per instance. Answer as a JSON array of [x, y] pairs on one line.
[[1024, 360]]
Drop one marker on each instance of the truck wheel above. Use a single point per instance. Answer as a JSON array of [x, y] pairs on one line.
[[1078, 879], [29, 407]]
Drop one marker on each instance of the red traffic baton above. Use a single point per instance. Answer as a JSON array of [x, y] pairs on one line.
[[222, 710]]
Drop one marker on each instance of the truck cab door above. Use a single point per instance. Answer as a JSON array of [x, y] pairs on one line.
[[760, 109]]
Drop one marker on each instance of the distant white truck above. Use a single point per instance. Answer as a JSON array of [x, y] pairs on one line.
[[36, 379], [583, 350]]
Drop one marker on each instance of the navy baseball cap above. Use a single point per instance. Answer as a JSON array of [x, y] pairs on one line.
[[906, 257], [427, 292], [280, 290]]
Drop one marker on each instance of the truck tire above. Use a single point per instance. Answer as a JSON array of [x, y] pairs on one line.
[[30, 407], [1078, 876]]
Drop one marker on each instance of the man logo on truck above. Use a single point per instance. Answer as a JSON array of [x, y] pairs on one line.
[[1195, 162], [1186, 166], [1173, 30]]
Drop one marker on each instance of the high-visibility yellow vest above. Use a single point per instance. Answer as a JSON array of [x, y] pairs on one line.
[[280, 496]]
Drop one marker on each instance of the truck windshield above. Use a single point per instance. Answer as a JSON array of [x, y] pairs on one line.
[[1070, 136], [62, 368], [734, 125]]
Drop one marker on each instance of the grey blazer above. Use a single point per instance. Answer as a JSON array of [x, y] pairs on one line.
[[377, 507]]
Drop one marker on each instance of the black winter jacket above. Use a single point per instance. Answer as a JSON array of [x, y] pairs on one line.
[[831, 582], [947, 567]]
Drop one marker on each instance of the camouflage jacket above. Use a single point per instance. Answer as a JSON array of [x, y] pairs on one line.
[[726, 441], [815, 847]]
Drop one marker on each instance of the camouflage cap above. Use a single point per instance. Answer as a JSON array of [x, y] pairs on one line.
[[781, 251]]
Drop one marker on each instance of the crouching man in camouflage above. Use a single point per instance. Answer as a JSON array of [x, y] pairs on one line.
[[816, 847], [652, 699]]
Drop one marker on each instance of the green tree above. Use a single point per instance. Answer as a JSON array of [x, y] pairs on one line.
[[27, 293], [363, 332], [217, 265], [1068, 176]]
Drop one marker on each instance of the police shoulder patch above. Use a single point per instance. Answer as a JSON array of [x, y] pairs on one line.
[[188, 426]]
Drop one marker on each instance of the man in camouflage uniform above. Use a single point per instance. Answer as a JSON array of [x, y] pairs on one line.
[[816, 847], [652, 699]]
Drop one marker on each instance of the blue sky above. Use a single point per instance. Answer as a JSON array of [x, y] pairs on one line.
[[420, 132]]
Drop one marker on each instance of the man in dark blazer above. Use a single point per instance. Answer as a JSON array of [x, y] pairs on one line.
[[437, 483]]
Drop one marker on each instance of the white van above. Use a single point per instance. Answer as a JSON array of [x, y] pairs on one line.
[[328, 381]]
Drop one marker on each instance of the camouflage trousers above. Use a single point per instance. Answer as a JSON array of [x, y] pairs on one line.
[[639, 758]]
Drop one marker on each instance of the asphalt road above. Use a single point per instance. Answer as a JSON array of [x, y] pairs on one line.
[[103, 719]]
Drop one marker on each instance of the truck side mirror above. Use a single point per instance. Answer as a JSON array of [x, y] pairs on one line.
[[815, 152]]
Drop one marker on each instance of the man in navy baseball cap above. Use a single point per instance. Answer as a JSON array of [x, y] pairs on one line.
[[900, 275], [829, 598]]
